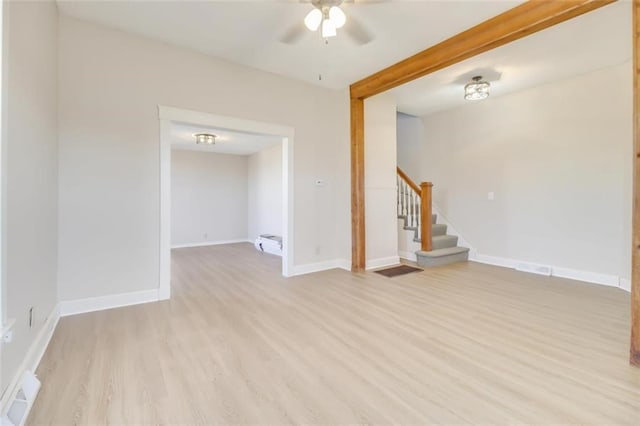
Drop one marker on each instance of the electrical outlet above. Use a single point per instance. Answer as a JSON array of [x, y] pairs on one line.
[[205, 236]]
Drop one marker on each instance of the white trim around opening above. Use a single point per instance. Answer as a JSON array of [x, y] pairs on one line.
[[166, 116]]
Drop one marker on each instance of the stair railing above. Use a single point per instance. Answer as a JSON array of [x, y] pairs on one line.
[[414, 203]]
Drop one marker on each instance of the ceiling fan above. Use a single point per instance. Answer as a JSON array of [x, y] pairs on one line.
[[328, 16]]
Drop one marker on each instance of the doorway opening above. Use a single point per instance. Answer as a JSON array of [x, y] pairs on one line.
[[252, 160]]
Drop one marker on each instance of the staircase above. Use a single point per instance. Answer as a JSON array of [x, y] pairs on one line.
[[445, 249], [414, 205]]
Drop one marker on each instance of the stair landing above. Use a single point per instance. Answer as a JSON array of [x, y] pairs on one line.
[[443, 256]]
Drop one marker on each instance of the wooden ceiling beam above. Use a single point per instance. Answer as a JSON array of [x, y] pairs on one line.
[[516, 23]]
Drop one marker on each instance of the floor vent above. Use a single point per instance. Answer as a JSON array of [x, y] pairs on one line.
[[534, 269], [21, 404]]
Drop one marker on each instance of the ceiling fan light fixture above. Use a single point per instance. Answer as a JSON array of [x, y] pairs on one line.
[[205, 138], [337, 17], [328, 29], [313, 19], [477, 89]]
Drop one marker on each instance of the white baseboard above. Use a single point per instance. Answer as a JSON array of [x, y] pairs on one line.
[[557, 271], [407, 255], [493, 260], [590, 277], [210, 243], [164, 293], [321, 266], [382, 262], [625, 284], [91, 304], [344, 264], [32, 358]]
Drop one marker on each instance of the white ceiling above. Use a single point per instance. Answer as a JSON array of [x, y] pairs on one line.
[[248, 32], [227, 142], [589, 42]]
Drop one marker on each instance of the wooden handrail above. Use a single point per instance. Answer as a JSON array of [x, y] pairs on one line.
[[426, 233], [407, 179], [424, 191]]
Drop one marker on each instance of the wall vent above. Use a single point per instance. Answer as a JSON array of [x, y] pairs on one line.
[[21, 403], [534, 269]]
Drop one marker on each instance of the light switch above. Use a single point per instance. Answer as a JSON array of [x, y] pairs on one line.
[[490, 196]]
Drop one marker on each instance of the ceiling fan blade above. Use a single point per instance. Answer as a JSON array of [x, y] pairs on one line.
[[294, 34], [358, 32]]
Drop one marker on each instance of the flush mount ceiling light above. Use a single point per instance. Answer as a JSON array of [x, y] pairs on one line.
[[477, 89], [205, 138], [326, 13]]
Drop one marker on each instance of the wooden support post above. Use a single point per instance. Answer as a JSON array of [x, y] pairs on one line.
[[635, 250], [358, 259], [426, 233]]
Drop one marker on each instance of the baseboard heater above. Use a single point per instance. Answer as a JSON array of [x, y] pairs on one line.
[[269, 243], [21, 403]]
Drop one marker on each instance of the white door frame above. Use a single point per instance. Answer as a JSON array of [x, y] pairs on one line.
[[167, 115], [3, 140]]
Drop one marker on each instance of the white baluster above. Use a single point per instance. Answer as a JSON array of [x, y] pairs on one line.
[[401, 198], [397, 195], [406, 198], [412, 198], [418, 213], [409, 211]]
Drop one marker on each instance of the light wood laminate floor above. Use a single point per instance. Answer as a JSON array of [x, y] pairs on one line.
[[237, 343]]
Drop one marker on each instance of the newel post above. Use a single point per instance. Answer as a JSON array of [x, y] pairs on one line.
[[425, 215]]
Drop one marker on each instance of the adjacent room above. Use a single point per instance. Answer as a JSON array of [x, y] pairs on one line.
[[320, 212], [514, 173], [226, 188]]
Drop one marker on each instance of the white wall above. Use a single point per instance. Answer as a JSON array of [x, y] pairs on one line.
[[410, 144], [110, 85], [558, 158], [208, 197], [381, 220], [265, 192], [30, 170]]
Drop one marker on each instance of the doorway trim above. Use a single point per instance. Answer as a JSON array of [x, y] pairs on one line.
[[168, 115]]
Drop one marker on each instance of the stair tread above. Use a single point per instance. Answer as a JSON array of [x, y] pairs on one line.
[[437, 237], [443, 237], [442, 252]]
